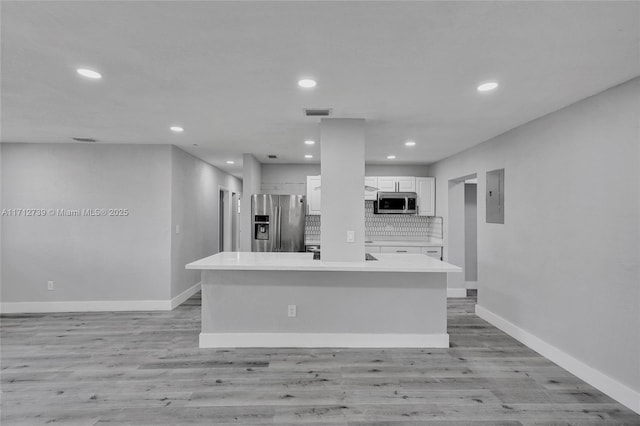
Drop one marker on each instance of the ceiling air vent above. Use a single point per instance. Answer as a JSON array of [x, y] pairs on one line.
[[273, 157], [317, 112], [84, 139]]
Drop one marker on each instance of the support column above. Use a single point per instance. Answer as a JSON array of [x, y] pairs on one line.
[[251, 183], [342, 170]]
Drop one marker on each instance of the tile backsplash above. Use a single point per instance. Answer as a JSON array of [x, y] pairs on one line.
[[312, 227], [387, 225]]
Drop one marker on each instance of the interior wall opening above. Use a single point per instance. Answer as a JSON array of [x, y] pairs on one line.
[[462, 234], [471, 233]]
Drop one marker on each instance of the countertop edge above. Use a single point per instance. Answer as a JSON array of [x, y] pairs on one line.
[[328, 268], [390, 243], [230, 261]]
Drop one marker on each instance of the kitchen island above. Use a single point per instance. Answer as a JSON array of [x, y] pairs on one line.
[[291, 300]]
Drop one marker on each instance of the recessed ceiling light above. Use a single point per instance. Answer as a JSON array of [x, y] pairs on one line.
[[307, 83], [230, 162], [85, 72], [391, 157], [309, 142], [195, 144], [488, 86], [410, 143], [308, 156], [176, 129]]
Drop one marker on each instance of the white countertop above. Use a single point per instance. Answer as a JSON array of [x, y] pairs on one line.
[[246, 261], [391, 243]]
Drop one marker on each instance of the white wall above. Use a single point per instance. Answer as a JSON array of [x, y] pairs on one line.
[[564, 267], [1, 207], [195, 209], [89, 258], [135, 261], [287, 178], [454, 247], [251, 181], [395, 170]]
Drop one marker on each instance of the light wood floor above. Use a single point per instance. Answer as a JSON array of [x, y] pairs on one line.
[[145, 368]]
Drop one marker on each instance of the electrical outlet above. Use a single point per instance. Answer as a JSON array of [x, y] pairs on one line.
[[351, 236], [177, 229], [49, 285], [292, 311]]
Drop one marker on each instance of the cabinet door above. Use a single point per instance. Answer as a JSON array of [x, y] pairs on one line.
[[399, 249], [435, 252], [313, 195], [369, 184], [406, 184], [426, 190], [387, 184]]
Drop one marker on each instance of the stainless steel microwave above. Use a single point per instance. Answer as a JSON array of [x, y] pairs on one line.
[[396, 203]]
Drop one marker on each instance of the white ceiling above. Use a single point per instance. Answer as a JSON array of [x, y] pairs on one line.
[[227, 71]]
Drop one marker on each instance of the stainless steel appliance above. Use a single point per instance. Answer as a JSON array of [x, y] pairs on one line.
[[312, 248], [277, 222], [396, 203]]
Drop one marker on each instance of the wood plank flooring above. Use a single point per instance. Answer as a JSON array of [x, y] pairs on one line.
[[145, 368]]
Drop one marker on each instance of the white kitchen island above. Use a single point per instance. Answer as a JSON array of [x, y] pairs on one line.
[[400, 300]]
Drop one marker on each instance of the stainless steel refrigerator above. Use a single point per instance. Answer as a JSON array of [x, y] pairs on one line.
[[277, 222]]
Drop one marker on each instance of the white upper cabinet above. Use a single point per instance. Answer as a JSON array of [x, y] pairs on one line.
[[387, 184], [397, 183], [406, 184], [313, 195], [370, 188], [426, 190], [425, 187]]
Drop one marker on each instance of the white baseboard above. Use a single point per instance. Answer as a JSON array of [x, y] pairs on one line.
[[471, 285], [322, 340], [616, 390], [182, 297], [99, 305], [456, 292], [85, 306]]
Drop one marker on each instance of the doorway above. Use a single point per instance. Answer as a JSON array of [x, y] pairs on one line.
[[471, 233], [463, 234], [221, 219], [228, 220], [234, 221]]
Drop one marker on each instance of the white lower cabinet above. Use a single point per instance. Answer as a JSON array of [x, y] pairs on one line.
[[399, 249], [432, 251], [435, 252]]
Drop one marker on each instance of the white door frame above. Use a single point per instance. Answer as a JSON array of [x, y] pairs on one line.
[[226, 219]]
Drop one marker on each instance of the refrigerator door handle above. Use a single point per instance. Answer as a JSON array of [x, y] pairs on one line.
[[279, 226]]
